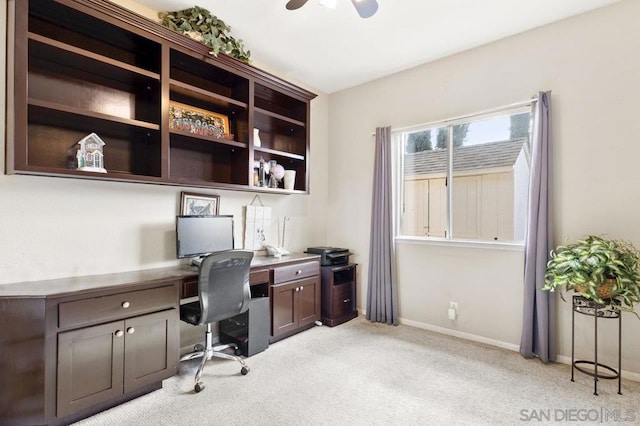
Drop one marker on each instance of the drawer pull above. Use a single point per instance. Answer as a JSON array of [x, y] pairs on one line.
[[131, 330], [125, 305], [297, 289], [301, 287], [347, 300], [299, 271], [119, 333]]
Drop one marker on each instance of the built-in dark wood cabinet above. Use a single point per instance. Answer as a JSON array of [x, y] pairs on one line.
[[72, 347], [102, 362], [292, 287], [90, 367], [89, 66], [295, 298], [89, 350]]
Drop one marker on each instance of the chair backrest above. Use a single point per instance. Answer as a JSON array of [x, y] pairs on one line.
[[223, 285]]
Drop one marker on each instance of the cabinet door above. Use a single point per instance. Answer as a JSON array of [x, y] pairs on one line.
[[90, 366], [343, 301], [308, 301], [151, 350], [284, 311]]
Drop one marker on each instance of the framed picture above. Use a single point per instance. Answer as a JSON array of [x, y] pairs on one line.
[[198, 121], [192, 204]]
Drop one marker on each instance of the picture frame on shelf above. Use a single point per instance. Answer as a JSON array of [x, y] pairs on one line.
[[198, 121], [193, 204]]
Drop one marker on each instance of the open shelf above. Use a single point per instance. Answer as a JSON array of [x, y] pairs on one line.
[[279, 117], [289, 163], [193, 92], [128, 149], [214, 80], [280, 135], [202, 161], [90, 66], [236, 114], [75, 57], [89, 114], [259, 151], [70, 26], [269, 99], [64, 79], [186, 135]]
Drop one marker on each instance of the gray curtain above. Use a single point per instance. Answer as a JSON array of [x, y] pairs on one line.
[[382, 300], [539, 322]]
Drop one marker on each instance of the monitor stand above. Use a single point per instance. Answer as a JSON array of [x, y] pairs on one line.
[[196, 261]]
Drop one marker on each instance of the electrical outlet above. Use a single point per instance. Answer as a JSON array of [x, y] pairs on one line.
[[452, 312]]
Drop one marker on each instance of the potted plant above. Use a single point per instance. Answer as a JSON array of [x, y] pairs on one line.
[[603, 270], [199, 24]]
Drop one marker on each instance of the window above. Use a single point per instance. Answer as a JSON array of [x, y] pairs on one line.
[[485, 158]]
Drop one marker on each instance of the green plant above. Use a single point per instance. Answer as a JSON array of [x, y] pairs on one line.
[[586, 265], [199, 24]]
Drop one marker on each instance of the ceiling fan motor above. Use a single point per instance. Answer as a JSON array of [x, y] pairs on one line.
[[365, 8]]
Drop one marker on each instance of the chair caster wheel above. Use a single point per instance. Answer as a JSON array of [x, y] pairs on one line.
[[244, 371], [238, 351], [198, 387], [198, 348]]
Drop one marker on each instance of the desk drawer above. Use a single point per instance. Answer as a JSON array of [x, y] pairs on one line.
[[259, 277], [109, 308], [189, 288], [293, 272]]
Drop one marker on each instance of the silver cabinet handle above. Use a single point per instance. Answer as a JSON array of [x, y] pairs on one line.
[[299, 271], [119, 333], [301, 287], [131, 330], [297, 289], [346, 300], [125, 305]]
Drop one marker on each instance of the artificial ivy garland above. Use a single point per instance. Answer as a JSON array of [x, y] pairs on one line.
[[199, 24]]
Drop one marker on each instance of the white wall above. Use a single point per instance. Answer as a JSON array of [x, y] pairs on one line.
[[57, 227], [590, 64]]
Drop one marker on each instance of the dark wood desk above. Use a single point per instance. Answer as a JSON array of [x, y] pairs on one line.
[[73, 286], [63, 355]]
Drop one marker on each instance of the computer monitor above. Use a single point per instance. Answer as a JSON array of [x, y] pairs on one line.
[[202, 235]]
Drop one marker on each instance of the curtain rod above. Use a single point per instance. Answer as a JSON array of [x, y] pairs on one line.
[[461, 117]]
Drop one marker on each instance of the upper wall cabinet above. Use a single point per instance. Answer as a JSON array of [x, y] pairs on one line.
[[168, 112]]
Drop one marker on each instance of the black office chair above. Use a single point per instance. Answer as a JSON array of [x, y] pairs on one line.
[[223, 292]]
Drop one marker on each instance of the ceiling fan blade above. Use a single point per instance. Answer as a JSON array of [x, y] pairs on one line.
[[295, 4], [365, 8]]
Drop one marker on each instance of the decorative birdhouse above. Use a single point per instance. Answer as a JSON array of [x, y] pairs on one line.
[[90, 154]]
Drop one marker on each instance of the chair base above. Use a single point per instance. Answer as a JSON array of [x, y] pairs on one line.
[[209, 351]]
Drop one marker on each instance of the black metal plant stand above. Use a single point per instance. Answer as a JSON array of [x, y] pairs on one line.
[[586, 306]]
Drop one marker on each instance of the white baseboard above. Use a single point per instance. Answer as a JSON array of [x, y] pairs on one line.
[[630, 375], [461, 334]]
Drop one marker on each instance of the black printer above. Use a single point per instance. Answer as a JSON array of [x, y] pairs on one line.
[[331, 256]]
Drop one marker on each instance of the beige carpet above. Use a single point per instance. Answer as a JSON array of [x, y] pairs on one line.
[[361, 373]]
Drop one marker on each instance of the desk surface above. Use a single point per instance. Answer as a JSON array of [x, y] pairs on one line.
[[77, 285]]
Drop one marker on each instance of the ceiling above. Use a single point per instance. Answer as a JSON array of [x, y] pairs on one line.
[[334, 49]]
